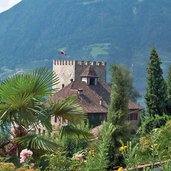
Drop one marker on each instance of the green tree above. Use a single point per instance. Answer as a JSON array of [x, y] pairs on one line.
[[118, 109], [169, 91], [156, 96], [120, 94]]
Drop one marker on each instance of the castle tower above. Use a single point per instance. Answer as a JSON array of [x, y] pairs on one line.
[[70, 70]]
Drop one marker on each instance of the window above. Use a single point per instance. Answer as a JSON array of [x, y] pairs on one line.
[[92, 81], [55, 119], [133, 116], [39, 131], [44, 132]]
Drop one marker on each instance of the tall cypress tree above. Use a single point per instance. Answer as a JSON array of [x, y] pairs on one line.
[[118, 109], [120, 94], [156, 91]]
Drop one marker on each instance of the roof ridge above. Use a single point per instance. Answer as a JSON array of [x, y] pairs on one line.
[[89, 72]]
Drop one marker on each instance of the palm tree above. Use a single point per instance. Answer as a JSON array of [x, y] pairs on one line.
[[24, 106]]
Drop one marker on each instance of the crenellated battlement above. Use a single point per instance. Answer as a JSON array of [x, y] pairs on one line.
[[82, 63], [64, 62]]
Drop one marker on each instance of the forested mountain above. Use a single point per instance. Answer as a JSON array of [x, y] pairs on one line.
[[120, 31]]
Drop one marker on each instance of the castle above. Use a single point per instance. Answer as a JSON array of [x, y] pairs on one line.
[[87, 81]]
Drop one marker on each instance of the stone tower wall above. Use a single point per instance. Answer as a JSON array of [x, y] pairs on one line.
[[65, 70], [71, 69]]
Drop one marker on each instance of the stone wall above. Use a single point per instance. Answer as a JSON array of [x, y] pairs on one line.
[[65, 70]]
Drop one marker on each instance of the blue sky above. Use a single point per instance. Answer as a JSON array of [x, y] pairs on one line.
[[6, 4]]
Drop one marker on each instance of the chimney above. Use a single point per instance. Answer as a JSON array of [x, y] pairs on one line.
[[71, 80], [63, 85], [80, 91], [101, 101]]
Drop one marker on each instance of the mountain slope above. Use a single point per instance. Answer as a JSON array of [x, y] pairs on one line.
[[118, 31]]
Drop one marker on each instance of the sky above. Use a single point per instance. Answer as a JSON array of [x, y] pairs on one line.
[[6, 4]]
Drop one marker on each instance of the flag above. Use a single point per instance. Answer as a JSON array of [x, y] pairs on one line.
[[62, 52]]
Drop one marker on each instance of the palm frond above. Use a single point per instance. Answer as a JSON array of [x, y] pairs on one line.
[[68, 110], [23, 112], [39, 83], [4, 136], [45, 80], [45, 120], [73, 131], [22, 96], [14, 85], [36, 142]]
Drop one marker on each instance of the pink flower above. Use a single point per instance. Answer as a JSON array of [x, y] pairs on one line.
[[22, 160], [25, 154], [78, 157]]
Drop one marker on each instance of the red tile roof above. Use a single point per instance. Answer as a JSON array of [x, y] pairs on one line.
[[90, 97], [134, 106]]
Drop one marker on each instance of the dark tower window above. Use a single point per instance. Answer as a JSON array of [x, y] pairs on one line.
[[92, 81], [55, 120], [44, 132]]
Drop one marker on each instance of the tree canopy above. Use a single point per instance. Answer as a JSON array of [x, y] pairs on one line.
[[156, 91]]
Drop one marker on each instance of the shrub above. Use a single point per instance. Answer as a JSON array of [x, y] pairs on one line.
[[57, 162], [7, 166], [24, 169]]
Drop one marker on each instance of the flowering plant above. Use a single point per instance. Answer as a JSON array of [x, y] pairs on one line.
[[78, 157], [120, 169], [83, 154], [25, 157]]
